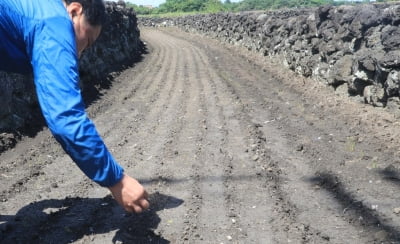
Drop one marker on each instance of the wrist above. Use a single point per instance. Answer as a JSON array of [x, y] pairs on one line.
[[118, 183]]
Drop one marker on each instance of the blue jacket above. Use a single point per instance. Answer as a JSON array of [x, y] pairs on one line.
[[38, 36]]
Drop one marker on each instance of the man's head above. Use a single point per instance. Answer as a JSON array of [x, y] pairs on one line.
[[88, 16]]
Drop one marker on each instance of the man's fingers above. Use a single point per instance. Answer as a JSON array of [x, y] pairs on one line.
[[130, 194], [134, 209], [137, 208], [144, 204], [129, 209], [145, 195]]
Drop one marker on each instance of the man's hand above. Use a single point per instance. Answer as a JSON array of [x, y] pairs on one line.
[[130, 194]]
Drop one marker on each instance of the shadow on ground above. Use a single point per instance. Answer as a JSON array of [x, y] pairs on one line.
[[356, 211], [72, 219], [391, 173]]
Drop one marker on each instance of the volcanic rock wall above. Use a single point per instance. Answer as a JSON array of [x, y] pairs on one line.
[[118, 45], [354, 49]]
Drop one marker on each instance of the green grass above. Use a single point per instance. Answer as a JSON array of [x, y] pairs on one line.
[[351, 144], [171, 15]]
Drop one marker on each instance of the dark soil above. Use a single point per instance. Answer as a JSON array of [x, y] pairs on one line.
[[233, 149]]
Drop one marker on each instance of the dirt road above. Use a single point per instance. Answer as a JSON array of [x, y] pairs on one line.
[[232, 150]]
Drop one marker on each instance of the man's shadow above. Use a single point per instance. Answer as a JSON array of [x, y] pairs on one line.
[[72, 219]]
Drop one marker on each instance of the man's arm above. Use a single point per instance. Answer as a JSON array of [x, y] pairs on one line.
[[56, 77]]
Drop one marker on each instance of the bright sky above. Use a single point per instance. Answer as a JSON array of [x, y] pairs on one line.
[[155, 3]]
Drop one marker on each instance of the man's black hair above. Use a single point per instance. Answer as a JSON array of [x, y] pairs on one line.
[[94, 11]]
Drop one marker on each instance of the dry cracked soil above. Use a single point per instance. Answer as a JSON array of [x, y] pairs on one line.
[[233, 149]]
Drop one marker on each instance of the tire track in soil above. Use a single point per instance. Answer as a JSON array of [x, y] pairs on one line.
[[208, 215], [269, 174], [126, 92], [232, 161], [241, 170], [19, 170], [319, 228], [186, 188], [194, 223], [310, 228], [182, 155], [288, 226], [162, 124], [194, 226], [132, 113], [188, 227], [143, 83]]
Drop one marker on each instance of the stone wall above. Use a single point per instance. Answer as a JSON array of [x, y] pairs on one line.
[[354, 49], [118, 45]]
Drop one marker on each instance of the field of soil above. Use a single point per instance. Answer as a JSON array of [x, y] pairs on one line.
[[232, 149]]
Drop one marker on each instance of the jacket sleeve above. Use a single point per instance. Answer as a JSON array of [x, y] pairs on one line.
[[55, 69]]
